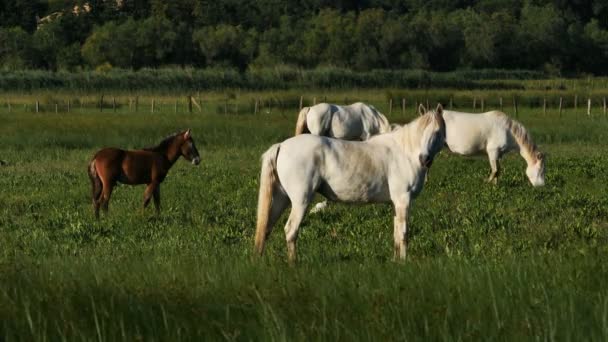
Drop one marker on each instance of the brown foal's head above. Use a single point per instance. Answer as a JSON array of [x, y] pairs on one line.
[[188, 148]]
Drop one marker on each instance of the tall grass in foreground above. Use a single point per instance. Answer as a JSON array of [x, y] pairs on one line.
[[180, 297], [510, 262]]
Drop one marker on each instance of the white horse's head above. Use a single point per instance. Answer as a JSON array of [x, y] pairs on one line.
[[433, 134], [536, 170]]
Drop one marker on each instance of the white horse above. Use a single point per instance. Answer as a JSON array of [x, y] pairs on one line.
[[495, 134], [357, 121], [386, 168]]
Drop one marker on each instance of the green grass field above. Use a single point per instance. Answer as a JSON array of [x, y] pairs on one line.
[[504, 262]]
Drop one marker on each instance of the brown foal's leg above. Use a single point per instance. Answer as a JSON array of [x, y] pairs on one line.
[[156, 195], [150, 189], [106, 194]]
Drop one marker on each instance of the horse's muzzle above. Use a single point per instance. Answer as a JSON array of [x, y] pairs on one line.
[[196, 161]]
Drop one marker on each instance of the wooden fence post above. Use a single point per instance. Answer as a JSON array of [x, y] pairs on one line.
[[500, 102], [114, 104], [561, 100], [474, 103], [255, 110], [403, 106], [9, 106], [588, 106], [301, 101], [314, 101], [482, 104], [37, 106], [575, 102], [390, 106], [451, 102], [544, 106], [152, 107], [69, 105], [56, 108], [603, 100]]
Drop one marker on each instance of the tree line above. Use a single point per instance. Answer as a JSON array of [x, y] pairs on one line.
[[555, 36]]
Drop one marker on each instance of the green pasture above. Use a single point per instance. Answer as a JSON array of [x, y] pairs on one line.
[[504, 262]]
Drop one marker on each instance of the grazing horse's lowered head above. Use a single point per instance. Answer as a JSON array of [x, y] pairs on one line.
[[146, 166]]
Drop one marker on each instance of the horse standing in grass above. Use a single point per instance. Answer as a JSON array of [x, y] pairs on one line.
[[495, 134], [386, 168], [357, 121], [147, 166]]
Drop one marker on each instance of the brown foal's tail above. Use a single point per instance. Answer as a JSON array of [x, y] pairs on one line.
[[95, 181], [301, 126], [268, 180]]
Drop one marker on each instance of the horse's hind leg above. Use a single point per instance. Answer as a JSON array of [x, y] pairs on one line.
[[108, 186], [493, 156], [96, 195], [280, 201], [292, 227]]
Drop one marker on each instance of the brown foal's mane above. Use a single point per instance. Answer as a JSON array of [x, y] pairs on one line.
[[164, 144]]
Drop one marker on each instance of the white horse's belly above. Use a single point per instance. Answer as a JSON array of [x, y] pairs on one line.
[[466, 150], [355, 190]]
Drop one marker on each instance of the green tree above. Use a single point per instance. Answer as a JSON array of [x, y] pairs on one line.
[[15, 49], [112, 43], [221, 45], [155, 39]]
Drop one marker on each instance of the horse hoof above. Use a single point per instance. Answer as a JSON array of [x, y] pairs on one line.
[[319, 207]]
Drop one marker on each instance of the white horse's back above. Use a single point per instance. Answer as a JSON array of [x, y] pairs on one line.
[[357, 121], [469, 134]]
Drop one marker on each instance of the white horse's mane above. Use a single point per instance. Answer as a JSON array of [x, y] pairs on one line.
[[519, 132]]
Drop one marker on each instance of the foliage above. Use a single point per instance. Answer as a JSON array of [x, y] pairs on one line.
[[383, 34]]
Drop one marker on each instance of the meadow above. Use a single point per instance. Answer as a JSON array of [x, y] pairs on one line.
[[485, 262]]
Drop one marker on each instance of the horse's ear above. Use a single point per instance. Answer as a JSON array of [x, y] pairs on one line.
[[421, 110], [439, 109], [187, 134]]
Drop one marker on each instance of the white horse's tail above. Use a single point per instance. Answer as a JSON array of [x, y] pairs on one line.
[[301, 126], [268, 180]]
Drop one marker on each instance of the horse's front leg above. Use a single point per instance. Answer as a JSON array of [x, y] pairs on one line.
[[493, 156], [402, 207], [156, 195], [149, 192]]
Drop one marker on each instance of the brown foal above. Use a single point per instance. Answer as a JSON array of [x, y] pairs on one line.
[[147, 166]]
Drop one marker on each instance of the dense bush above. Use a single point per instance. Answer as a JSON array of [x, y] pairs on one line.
[[556, 37], [177, 79]]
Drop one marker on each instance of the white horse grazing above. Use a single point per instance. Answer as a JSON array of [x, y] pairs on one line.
[[357, 121], [495, 134], [386, 168]]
